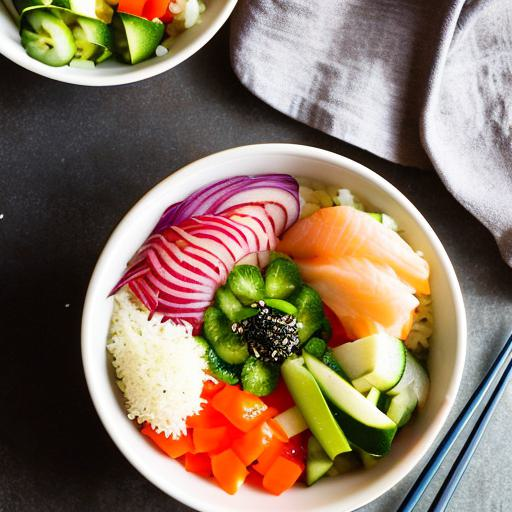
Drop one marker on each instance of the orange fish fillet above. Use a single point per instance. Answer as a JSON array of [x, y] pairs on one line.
[[344, 231], [366, 297]]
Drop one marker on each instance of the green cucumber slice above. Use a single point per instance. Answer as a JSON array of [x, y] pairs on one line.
[[46, 38], [310, 312], [135, 38], [96, 9], [313, 407], [364, 425], [318, 462], [291, 421], [415, 376], [282, 278], [375, 361], [374, 396], [258, 377], [402, 406]]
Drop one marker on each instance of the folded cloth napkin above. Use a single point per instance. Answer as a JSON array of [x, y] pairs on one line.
[[420, 83]]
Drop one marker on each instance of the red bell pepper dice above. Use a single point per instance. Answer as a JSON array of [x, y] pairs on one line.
[[135, 7], [173, 447], [208, 439], [198, 463], [281, 475], [229, 471], [252, 444]]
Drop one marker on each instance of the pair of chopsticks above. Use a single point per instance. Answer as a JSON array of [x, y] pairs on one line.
[[450, 484]]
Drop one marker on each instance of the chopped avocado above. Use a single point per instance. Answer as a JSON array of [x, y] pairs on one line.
[[228, 345], [318, 462], [402, 406], [135, 38], [246, 282], [226, 300], [281, 305], [311, 403], [258, 377], [374, 361], [364, 425], [282, 278], [316, 347], [310, 312]]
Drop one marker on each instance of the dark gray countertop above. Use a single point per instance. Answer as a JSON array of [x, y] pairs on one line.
[[73, 161]]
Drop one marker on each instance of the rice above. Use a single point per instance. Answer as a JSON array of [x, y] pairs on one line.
[[418, 340], [160, 366]]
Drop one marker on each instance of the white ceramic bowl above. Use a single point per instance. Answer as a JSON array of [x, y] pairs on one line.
[[446, 362], [112, 72]]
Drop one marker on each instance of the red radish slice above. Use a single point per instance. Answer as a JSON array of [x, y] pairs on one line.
[[263, 258], [250, 259], [221, 195]]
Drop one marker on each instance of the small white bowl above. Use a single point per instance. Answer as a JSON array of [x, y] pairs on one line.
[[446, 361], [112, 72]]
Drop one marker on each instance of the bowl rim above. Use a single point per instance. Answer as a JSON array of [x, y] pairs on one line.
[[283, 149], [91, 79]]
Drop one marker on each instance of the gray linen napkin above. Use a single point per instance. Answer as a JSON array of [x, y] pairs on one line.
[[419, 82]]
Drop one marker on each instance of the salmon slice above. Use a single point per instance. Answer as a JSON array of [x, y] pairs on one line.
[[367, 298], [344, 231]]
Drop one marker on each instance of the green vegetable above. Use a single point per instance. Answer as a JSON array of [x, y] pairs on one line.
[[316, 347], [47, 38], [221, 370], [364, 425], [226, 300], [318, 462], [402, 406], [310, 312], [281, 305], [95, 9], [282, 278], [274, 255], [329, 360], [246, 282], [228, 345], [377, 360], [309, 399], [326, 330], [135, 38], [258, 377]]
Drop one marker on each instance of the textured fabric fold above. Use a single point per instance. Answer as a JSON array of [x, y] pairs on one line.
[[423, 84]]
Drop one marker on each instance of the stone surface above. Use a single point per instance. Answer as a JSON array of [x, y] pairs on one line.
[[73, 161]]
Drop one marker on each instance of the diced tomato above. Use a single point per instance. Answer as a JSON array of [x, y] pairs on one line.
[[207, 418], [198, 463], [173, 447], [244, 410], [280, 398], [281, 475], [229, 471], [135, 7], [208, 439], [211, 388], [268, 456], [339, 335], [251, 445], [155, 9]]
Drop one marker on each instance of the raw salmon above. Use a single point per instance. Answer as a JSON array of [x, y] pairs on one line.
[[366, 297], [344, 231]]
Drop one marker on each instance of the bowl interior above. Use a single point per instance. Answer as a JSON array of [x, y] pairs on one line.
[[445, 363], [112, 72]]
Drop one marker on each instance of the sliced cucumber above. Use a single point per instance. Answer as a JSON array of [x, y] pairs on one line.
[[402, 406], [374, 396], [291, 421], [95, 33], [318, 462], [98, 9], [231, 306], [46, 37], [313, 407], [364, 425], [282, 278], [375, 361], [228, 345], [281, 305], [135, 38], [415, 376], [246, 282], [329, 360]]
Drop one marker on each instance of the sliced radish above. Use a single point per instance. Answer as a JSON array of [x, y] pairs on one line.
[[250, 259]]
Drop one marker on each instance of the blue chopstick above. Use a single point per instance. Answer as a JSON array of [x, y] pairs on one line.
[[459, 467], [435, 462]]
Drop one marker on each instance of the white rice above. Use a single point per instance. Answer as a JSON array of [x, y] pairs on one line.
[[160, 366]]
